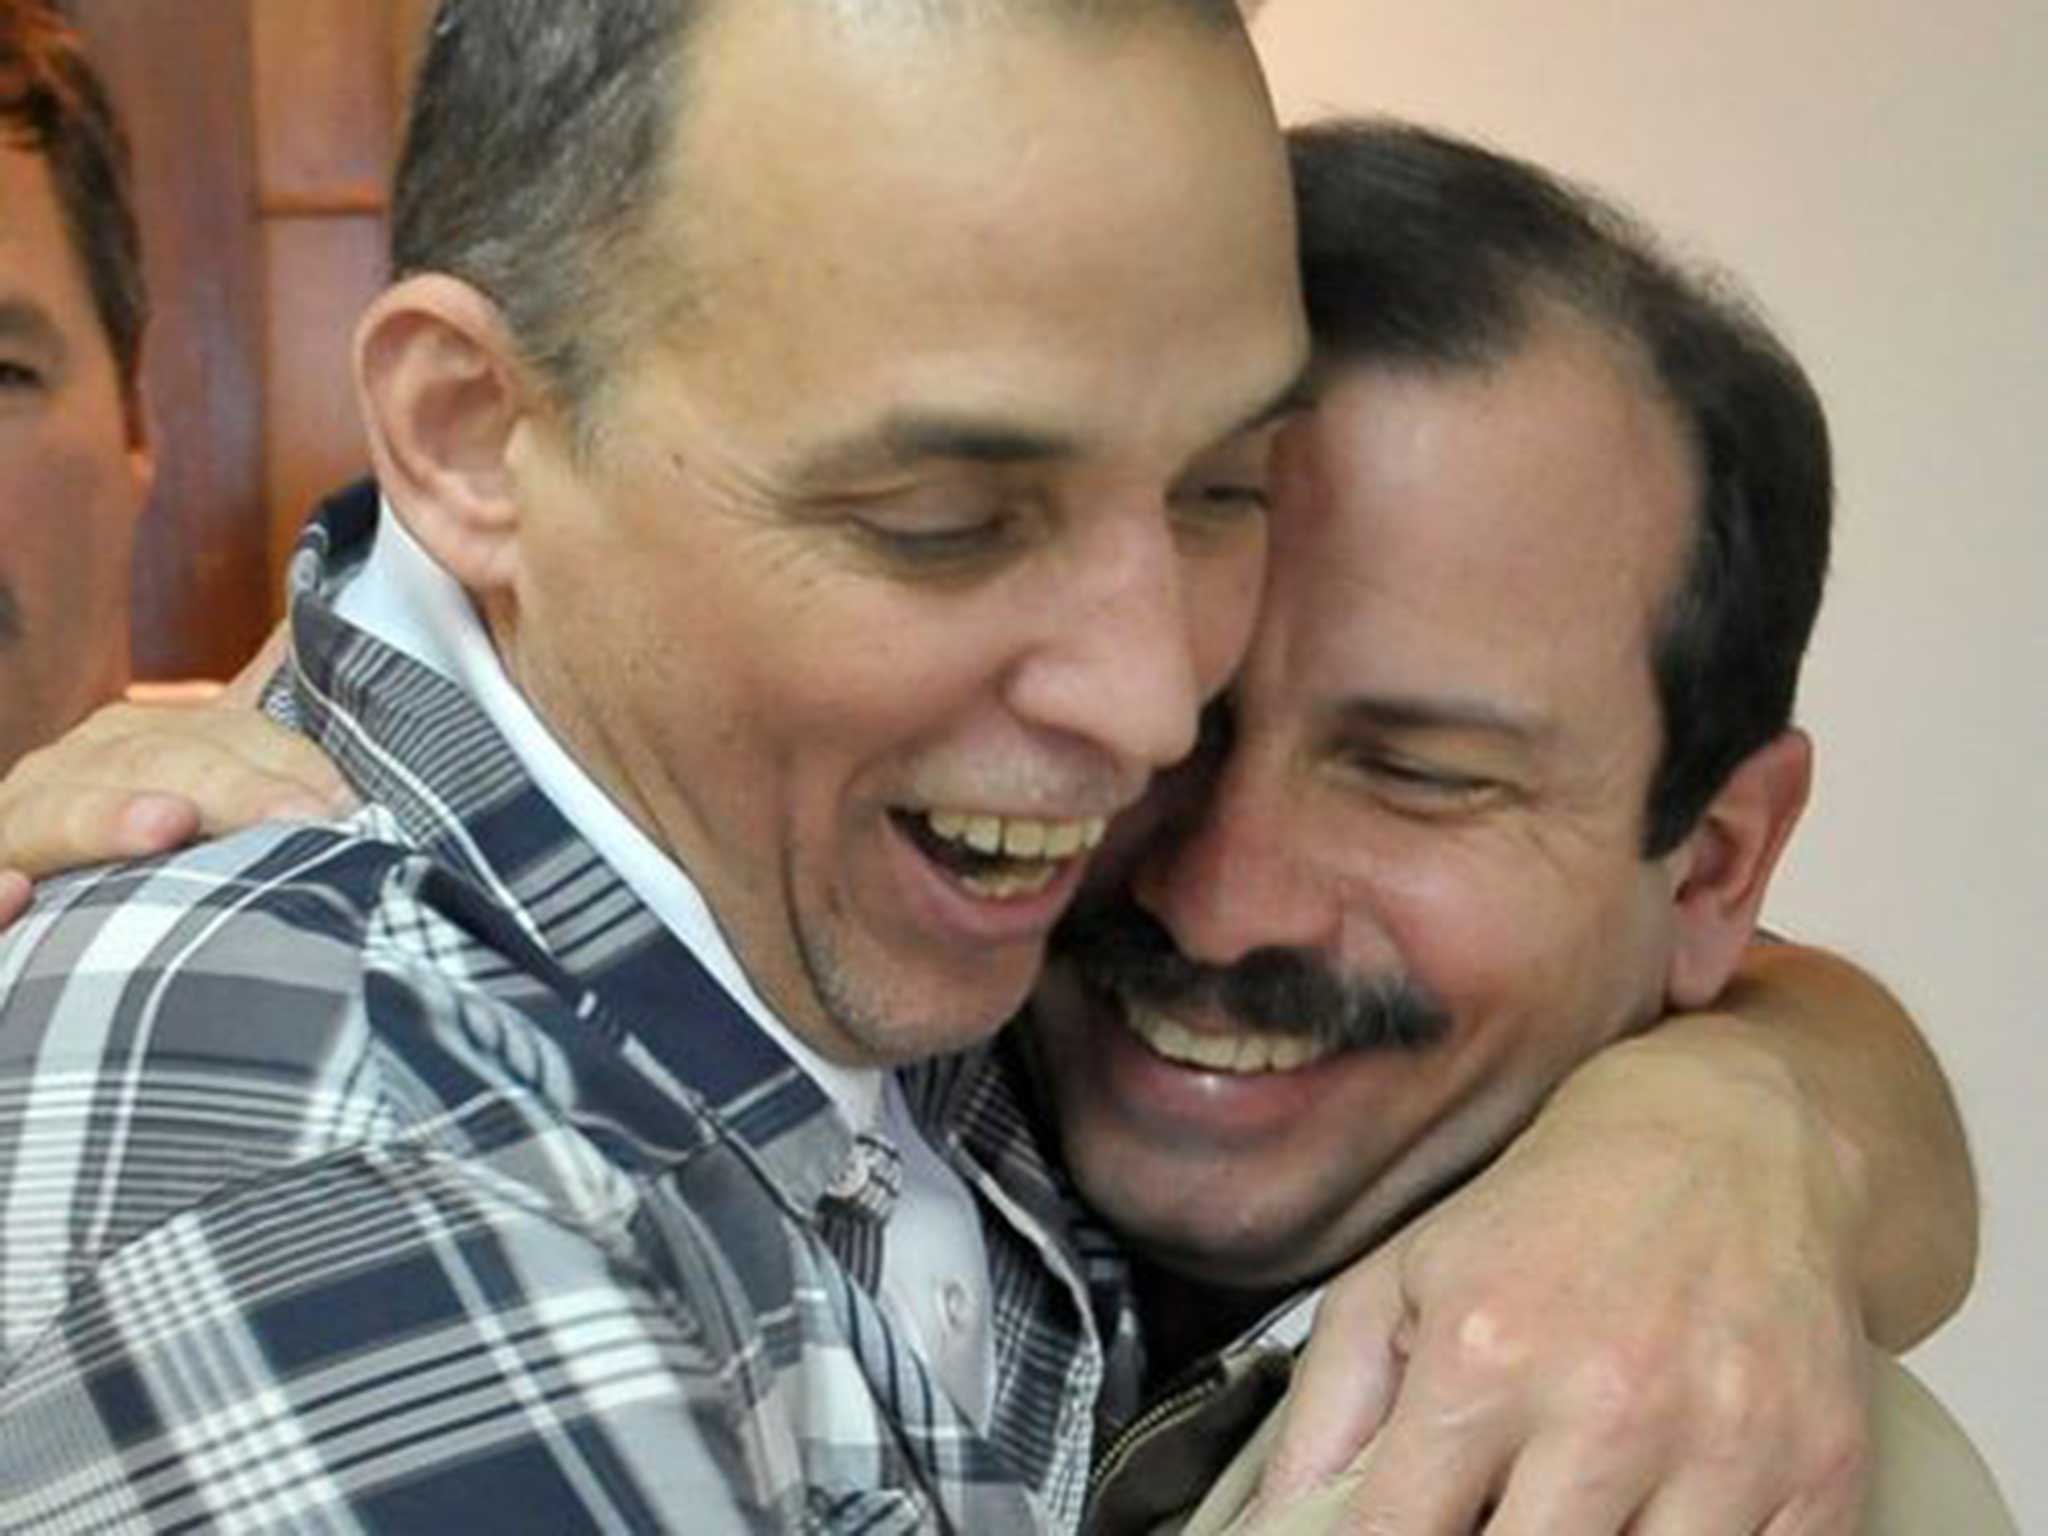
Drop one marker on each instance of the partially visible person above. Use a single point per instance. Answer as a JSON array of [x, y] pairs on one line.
[[1502, 782], [76, 456]]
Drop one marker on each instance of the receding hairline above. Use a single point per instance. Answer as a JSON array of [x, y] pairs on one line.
[[578, 218], [640, 311]]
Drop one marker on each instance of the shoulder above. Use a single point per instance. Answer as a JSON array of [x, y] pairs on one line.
[[269, 922], [178, 1033], [287, 955]]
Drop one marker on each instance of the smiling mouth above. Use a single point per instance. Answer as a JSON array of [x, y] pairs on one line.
[[1001, 858], [1236, 1053]]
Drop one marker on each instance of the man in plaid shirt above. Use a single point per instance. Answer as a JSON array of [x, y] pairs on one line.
[[823, 455]]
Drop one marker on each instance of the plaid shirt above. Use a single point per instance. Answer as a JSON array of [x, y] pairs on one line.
[[408, 1175]]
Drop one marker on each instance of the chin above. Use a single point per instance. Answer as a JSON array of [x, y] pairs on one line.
[[1194, 1220], [1231, 1260], [898, 1011]]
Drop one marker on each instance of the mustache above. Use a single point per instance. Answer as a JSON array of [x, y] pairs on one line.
[[10, 615], [1120, 948]]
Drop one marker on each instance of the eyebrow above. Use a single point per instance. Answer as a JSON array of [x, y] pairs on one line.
[[1417, 712], [912, 438], [906, 437]]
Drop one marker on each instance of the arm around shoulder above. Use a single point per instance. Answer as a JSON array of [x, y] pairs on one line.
[[1833, 1035]]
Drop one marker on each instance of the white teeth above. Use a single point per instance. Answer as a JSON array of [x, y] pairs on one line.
[[1018, 837], [1289, 1052], [1064, 840], [1025, 839], [1240, 1052], [1007, 885]]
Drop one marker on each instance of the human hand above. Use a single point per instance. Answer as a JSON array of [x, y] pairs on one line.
[[137, 779], [1641, 1318]]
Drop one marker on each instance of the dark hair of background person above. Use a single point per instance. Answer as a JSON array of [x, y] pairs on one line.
[[53, 105], [539, 143], [1421, 250]]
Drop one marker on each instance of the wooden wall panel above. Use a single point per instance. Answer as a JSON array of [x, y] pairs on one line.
[[409, 33], [264, 130], [321, 273], [325, 93], [177, 70]]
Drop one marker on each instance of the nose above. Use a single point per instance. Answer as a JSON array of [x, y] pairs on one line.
[[1236, 872], [1138, 635]]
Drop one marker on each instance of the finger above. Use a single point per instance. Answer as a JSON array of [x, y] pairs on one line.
[[148, 823], [1573, 1488], [235, 766], [1344, 1384], [1689, 1506], [232, 796], [1834, 1492], [264, 764], [246, 687], [15, 891], [1832, 1514], [59, 827], [1431, 1471], [50, 822], [1756, 1459]]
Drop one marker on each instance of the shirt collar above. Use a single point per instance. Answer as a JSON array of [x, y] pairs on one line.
[[403, 597], [415, 742]]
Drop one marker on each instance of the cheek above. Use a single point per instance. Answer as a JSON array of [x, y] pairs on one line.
[[67, 573], [1540, 975], [1455, 921], [1223, 606], [64, 495]]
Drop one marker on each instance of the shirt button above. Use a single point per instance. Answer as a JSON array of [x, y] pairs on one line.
[[955, 1306], [847, 1181]]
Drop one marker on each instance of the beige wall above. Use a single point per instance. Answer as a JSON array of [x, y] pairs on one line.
[[1878, 171]]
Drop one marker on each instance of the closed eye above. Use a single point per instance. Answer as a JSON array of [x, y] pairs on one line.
[[1424, 787], [940, 548]]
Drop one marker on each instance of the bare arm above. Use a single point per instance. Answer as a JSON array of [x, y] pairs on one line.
[[1833, 1035]]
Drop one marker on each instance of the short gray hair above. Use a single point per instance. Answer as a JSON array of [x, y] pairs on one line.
[[541, 138]]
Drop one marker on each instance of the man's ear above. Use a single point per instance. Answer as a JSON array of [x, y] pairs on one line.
[[443, 392], [1722, 869]]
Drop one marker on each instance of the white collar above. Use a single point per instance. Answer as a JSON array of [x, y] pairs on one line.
[[402, 597]]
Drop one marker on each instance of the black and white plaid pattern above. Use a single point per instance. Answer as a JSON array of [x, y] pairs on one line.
[[407, 1175]]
